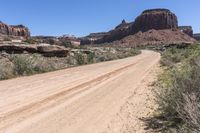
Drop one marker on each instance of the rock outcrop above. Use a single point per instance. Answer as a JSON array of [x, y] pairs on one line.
[[92, 38], [157, 19], [197, 36], [44, 49], [186, 29], [14, 30], [120, 31], [52, 50], [61, 41], [164, 38]]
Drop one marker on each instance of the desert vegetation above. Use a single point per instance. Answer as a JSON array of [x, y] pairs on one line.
[[14, 65], [177, 91]]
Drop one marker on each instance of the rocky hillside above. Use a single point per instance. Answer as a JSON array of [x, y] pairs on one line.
[[197, 36], [155, 37], [186, 29], [14, 30], [149, 19]]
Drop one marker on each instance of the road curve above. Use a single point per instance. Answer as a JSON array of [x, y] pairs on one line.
[[77, 100]]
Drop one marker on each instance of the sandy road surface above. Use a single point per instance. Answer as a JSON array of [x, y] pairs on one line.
[[76, 100]]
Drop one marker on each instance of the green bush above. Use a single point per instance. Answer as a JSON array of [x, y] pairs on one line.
[[80, 59], [91, 57], [30, 64], [6, 71], [67, 44], [179, 90], [30, 41], [23, 65], [175, 55]]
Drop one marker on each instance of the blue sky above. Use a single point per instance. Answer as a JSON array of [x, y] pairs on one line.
[[81, 17]]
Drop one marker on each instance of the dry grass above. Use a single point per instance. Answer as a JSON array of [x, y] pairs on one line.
[[178, 91]]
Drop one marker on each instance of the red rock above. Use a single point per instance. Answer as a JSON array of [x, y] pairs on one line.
[[44, 49], [11, 30], [157, 19], [53, 50], [186, 29], [197, 36]]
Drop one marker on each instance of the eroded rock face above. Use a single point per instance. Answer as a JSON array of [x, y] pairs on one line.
[[197, 36], [156, 19], [53, 50], [12, 30], [167, 37], [92, 38], [120, 31], [44, 49], [186, 29]]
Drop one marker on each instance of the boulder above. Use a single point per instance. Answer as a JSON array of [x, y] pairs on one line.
[[18, 49], [44, 49], [14, 30], [53, 50]]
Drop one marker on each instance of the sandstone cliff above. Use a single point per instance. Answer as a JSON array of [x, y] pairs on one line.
[[186, 29], [197, 36], [14, 30], [157, 19]]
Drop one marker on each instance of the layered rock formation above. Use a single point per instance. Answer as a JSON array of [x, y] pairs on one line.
[[12, 30], [157, 19], [163, 38], [197, 36], [44, 49], [92, 38], [62, 40], [120, 31], [186, 29]]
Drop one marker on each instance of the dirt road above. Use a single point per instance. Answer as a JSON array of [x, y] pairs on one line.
[[77, 100]]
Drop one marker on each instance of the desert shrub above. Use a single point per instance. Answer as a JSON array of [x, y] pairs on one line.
[[175, 55], [80, 59], [41, 64], [6, 70], [24, 65], [179, 99], [7, 39], [134, 51], [67, 44], [91, 57], [30, 41], [30, 64], [179, 90]]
